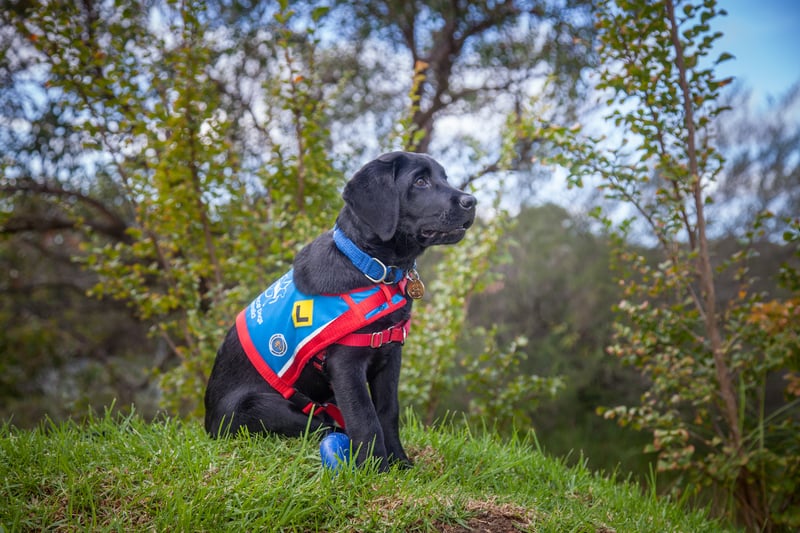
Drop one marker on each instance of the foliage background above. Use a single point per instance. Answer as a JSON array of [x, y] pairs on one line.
[[163, 161]]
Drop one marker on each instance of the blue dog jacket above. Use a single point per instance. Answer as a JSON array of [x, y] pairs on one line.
[[283, 329]]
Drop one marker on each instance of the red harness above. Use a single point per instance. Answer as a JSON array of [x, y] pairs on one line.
[[360, 312]]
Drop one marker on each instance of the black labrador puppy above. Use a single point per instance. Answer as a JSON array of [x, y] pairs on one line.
[[395, 207]]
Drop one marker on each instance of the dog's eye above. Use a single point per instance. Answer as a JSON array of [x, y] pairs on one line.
[[421, 181]]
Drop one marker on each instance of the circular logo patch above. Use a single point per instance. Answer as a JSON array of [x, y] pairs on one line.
[[277, 345]]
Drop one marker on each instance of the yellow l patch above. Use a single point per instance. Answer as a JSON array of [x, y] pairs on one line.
[[303, 313]]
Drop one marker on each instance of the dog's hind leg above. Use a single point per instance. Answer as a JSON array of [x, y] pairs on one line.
[[260, 412]]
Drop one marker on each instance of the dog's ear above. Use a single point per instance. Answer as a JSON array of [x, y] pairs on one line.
[[372, 195]]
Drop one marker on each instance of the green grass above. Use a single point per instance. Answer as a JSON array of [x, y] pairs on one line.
[[124, 474]]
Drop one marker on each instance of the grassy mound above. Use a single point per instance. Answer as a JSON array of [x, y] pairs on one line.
[[125, 474]]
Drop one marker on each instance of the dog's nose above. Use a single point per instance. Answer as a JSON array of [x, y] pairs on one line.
[[467, 201]]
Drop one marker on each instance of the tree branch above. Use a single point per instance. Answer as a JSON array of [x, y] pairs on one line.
[[23, 224], [488, 169], [705, 270], [115, 228]]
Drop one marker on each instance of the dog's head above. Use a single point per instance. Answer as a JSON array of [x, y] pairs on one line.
[[403, 194]]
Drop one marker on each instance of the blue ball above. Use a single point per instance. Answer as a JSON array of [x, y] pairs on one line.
[[335, 450]]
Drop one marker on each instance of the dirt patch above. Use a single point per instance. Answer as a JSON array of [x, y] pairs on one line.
[[484, 524], [491, 517]]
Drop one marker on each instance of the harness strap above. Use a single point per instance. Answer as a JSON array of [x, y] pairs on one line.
[[310, 407], [396, 333], [328, 408]]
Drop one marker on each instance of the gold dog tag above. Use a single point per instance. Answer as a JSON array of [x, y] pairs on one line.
[[415, 289]]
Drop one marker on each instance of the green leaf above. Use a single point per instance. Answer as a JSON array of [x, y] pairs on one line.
[[318, 12], [725, 56]]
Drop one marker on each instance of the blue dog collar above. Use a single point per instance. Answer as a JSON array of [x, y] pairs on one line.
[[371, 267]]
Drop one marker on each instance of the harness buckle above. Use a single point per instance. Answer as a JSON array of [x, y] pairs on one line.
[[379, 336], [385, 272]]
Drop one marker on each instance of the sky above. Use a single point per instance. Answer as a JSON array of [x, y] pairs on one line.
[[764, 37]]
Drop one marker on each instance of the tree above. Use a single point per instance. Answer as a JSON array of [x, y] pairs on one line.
[[183, 152], [707, 361], [478, 58], [206, 230], [173, 213], [52, 192]]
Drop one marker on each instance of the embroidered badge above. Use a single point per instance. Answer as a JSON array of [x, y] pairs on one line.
[[277, 345]]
